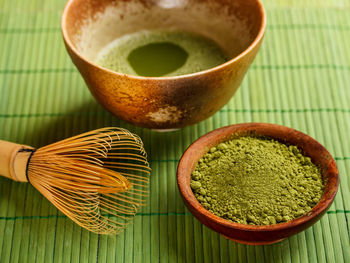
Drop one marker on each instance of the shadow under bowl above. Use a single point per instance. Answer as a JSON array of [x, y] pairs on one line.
[[252, 234]]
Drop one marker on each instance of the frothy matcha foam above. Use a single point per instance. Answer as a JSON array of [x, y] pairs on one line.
[[161, 53]]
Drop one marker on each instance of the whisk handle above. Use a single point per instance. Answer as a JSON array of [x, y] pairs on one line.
[[13, 160]]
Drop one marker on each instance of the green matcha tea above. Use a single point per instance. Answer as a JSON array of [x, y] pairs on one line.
[[257, 181], [161, 53]]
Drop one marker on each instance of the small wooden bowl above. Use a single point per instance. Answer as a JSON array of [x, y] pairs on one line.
[[249, 234]]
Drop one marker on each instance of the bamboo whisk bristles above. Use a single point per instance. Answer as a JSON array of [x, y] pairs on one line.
[[98, 179]]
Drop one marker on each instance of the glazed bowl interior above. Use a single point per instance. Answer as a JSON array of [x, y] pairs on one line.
[[89, 25], [251, 234]]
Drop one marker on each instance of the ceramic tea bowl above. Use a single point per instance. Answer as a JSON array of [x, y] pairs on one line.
[[252, 234], [163, 102]]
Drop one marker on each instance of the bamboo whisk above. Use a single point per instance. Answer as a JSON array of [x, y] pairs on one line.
[[98, 179]]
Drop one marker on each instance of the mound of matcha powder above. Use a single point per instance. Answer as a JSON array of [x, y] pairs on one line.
[[256, 181]]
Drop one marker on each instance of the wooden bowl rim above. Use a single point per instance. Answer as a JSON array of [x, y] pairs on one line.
[[244, 53], [226, 133]]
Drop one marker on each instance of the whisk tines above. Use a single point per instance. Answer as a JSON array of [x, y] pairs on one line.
[[98, 178]]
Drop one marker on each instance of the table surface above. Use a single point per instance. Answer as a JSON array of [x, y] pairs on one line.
[[300, 78]]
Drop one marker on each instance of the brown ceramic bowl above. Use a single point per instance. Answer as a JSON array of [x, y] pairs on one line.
[[163, 102], [249, 234]]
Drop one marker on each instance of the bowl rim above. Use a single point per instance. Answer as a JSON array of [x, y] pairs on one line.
[[193, 204], [244, 53]]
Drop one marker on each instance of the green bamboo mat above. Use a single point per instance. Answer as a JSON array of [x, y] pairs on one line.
[[300, 78]]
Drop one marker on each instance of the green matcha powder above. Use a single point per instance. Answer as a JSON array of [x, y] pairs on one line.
[[256, 181]]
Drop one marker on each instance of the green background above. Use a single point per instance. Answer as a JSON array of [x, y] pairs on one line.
[[300, 78]]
